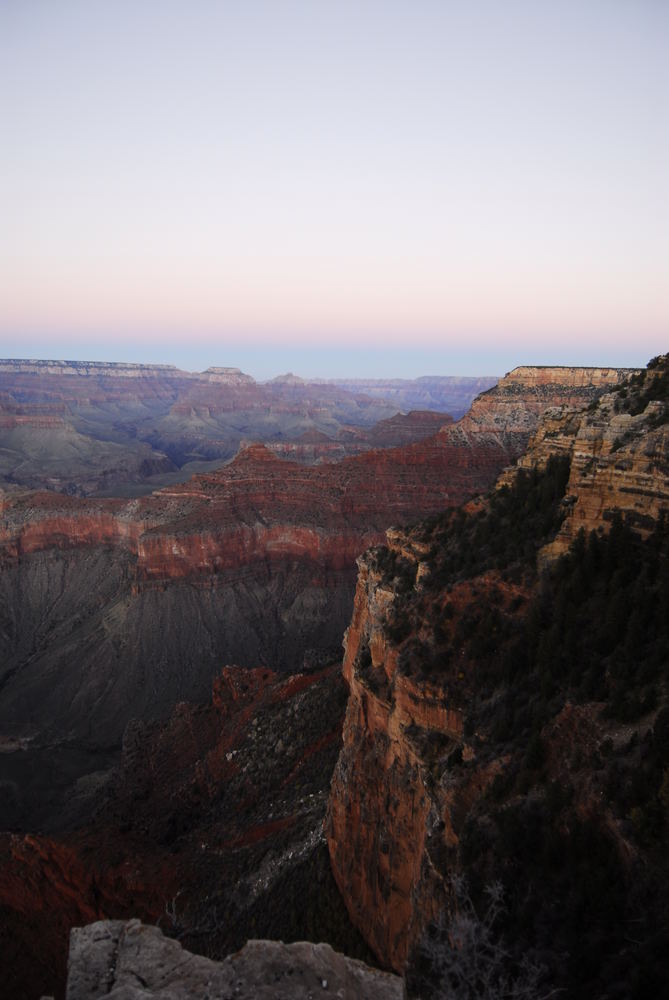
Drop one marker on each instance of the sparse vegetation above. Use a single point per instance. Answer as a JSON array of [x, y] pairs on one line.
[[466, 958]]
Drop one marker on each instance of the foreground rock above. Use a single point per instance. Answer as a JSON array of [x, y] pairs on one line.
[[126, 959]]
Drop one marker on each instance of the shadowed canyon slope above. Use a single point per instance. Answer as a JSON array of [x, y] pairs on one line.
[[211, 826], [510, 727]]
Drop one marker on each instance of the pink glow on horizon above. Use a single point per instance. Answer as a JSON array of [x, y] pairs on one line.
[[353, 175]]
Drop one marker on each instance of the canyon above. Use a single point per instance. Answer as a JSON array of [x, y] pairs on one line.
[[117, 610], [134, 604]]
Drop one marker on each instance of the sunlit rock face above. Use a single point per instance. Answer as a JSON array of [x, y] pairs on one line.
[[618, 450]]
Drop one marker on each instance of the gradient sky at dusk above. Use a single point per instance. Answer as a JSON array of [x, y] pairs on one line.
[[335, 187]]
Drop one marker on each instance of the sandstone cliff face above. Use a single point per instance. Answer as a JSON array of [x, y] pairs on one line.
[[519, 400], [386, 813]]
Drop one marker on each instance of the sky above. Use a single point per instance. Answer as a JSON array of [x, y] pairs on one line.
[[335, 188]]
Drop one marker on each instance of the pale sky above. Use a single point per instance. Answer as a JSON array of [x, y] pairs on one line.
[[335, 187]]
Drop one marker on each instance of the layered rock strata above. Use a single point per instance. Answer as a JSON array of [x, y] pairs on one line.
[[618, 459]]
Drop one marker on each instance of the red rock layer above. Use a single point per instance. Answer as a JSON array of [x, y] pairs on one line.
[[258, 508]]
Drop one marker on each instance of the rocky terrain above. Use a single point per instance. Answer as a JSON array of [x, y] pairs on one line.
[[500, 804], [408, 428], [134, 605], [126, 959]]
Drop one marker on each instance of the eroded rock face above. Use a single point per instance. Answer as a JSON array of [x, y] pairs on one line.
[[130, 960], [516, 404]]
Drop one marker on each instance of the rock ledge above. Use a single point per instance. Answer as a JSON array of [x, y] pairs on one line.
[[128, 960]]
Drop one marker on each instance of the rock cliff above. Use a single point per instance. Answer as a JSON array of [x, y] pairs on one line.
[[499, 719]]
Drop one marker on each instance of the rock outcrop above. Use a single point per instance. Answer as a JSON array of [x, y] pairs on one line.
[[518, 401], [383, 812], [130, 960]]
